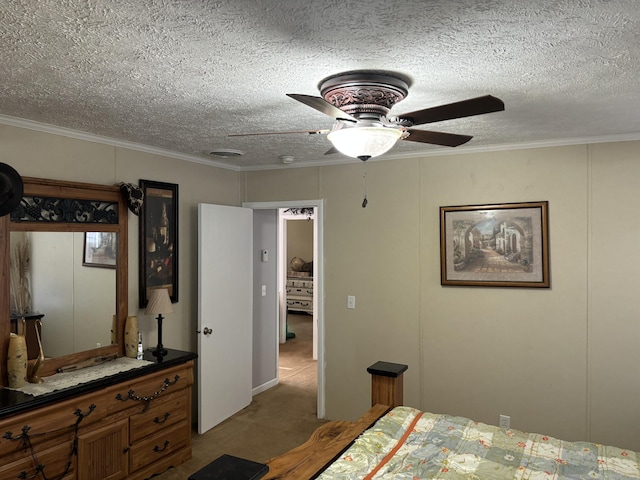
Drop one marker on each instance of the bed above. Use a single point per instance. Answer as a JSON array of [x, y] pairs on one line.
[[405, 443]]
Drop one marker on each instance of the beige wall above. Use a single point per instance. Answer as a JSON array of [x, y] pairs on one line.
[[613, 320], [300, 240], [520, 352], [563, 361], [38, 154]]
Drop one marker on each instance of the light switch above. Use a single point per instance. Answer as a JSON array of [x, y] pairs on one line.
[[264, 290]]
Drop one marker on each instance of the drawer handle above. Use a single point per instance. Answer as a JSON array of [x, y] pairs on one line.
[[131, 395], [25, 439], [25, 434], [158, 449], [23, 474], [158, 421]]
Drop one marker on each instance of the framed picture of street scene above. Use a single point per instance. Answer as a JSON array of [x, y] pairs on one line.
[[501, 245]]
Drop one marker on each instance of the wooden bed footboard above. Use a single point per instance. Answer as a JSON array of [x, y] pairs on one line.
[[324, 445]]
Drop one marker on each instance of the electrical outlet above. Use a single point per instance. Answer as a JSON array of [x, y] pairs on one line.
[[351, 301], [505, 421]]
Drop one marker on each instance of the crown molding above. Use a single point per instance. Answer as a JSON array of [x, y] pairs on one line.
[[90, 137]]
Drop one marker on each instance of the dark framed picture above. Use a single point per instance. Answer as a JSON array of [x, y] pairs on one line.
[[100, 249], [502, 245], [158, 239]]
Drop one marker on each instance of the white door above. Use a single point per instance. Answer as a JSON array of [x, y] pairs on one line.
[[225, 310]]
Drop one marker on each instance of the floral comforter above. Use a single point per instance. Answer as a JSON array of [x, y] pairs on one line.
[[409, 444]]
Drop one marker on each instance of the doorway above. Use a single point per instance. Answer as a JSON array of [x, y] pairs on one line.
[[318, 287], [297, 250], [298, 348]]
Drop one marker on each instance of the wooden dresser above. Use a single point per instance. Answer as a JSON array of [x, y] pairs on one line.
[[127, 426]]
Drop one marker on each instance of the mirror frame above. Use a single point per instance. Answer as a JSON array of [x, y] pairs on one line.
[[66, 190]]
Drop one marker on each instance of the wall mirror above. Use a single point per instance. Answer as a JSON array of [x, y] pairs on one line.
[[77, 298], [75, 238]]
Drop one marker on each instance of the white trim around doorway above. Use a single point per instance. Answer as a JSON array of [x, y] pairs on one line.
[[318, 281]]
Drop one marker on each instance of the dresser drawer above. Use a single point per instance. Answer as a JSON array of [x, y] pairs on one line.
[[297, 283], [53, 426], [301, 292], [161, 445], [163, 412], [293, 304], [52, 461], [150, 388]]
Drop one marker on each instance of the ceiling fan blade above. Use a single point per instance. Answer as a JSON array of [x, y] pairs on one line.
[[464, 108], [323, 106], [437, 138], [310, 132]]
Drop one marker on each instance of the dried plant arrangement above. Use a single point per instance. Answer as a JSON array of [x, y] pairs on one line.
[[20, 285]]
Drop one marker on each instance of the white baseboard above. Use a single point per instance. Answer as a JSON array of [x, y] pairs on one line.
[[265, 386]]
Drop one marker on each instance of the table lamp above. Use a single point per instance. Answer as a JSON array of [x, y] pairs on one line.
[[159, 303]]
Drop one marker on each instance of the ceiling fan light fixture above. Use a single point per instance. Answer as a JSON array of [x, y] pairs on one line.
[[359, 142]]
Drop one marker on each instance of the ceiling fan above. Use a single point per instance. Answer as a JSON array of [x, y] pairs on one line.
[[360, 102]]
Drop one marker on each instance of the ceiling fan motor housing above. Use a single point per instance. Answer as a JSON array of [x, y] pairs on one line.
[[365, 93]]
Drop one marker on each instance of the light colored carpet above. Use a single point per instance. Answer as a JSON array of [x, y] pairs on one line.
[[277, 420]]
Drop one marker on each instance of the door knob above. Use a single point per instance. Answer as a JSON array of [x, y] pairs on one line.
[[206, 331]]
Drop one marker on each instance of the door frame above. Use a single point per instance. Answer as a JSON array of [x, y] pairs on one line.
[[318, 281]]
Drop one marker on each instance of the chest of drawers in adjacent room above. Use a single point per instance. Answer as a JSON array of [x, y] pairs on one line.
[[300, 294]]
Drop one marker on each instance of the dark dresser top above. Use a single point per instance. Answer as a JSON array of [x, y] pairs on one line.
[[13, 402]]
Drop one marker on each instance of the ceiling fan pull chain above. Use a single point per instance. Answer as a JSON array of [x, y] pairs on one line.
[[364, 178]]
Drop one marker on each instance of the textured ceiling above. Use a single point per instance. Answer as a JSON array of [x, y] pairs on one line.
[[182, 75]]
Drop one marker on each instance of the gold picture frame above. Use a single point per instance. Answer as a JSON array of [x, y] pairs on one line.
[[498, 245]]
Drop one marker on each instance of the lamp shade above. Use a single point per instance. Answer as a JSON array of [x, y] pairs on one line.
[[364, 141], [159, 302]]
